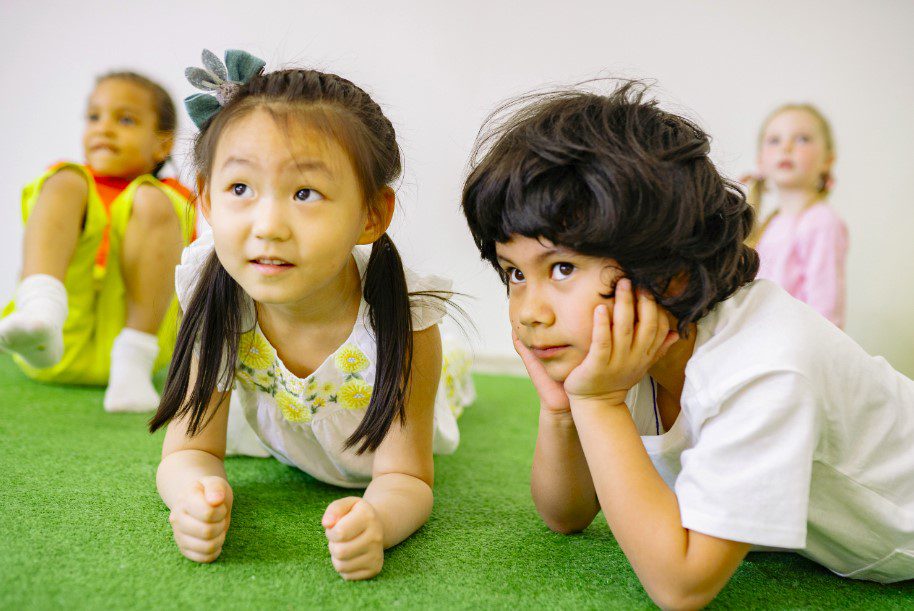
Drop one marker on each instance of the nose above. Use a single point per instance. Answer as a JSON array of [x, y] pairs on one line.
[[271, 220], [534, 308]]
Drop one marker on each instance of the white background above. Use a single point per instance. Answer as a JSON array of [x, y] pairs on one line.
[[439, 68]]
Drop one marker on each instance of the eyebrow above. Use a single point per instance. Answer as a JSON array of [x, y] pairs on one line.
[[545, 254], [309, 165]]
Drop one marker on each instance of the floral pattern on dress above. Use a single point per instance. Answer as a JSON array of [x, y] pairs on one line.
[[260, 368]]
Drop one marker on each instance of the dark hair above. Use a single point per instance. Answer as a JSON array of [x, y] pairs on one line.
[[164, 106], [348, 115], [613, 176]]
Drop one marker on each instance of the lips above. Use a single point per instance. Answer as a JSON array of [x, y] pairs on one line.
[[270, 266], [547, 352], [103, 148], [785, 165]]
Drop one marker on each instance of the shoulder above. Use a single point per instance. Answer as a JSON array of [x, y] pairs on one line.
[[821, 218], [68, 178], [429, 294], [758, 331]]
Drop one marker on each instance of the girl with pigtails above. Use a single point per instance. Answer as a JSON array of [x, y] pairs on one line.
[[298, 312]]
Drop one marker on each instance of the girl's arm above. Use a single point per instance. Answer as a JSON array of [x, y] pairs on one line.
[[191, 480], [399, 499]]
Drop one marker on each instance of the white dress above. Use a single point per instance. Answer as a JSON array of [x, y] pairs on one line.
[[304, 422]]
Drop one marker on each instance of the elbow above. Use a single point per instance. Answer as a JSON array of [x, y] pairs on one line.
[[677, 598], [567, 525]]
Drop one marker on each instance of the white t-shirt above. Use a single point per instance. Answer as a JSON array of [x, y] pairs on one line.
[[305, 422], [791, 436]]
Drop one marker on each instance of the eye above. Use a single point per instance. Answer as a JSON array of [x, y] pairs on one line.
[[561, 271], [240, 189], [127, 121], [803, 139], [773, 140], [515, 276], [307, 195], [92, 116]]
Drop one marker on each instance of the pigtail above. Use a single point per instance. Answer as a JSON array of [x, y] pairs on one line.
[[209, 335], [388, 300], [754, 198]]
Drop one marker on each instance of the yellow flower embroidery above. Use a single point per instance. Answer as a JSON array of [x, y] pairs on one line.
[[350, 359], [355, 394], [262, 378], [328, 388], [294, 385], [318, 402], [292, 409], [312, 384], [255, 351]]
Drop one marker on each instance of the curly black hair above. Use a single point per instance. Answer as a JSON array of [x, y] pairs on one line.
[[613, 176]]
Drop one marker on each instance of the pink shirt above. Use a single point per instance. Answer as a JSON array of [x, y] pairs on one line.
[[805, 254]]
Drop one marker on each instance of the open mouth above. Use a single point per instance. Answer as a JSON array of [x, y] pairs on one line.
[[785, 165], [270, 265]]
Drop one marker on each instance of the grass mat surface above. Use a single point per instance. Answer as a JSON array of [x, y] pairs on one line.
[[81, 526]]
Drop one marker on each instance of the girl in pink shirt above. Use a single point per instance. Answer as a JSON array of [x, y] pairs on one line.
[[802, 243]]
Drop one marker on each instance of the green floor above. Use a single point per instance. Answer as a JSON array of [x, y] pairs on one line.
[[81, 526]]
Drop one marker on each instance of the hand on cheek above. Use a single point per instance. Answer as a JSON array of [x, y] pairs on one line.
[[552, 394], [623, 346], [355, 538]]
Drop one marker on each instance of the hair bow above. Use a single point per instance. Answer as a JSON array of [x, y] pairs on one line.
[[221, 79]]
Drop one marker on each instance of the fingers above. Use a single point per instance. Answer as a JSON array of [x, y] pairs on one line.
[[197, 506], [195, 528], [601, 341], [648, 322], [350, 550], [215, 490], [209, 548], [352, 524], [365, 566], [623, 320], [337, 509]]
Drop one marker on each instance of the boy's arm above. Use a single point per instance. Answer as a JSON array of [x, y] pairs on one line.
[[561, 483], [679, 568]]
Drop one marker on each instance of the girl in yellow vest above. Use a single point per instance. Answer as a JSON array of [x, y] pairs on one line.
[[95, 303]]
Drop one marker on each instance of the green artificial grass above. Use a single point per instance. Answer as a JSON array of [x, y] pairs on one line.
[[81, 526]]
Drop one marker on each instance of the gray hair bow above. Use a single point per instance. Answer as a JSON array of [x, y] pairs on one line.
[[221, 79]]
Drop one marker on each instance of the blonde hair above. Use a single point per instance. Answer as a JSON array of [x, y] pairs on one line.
[[757, 185]]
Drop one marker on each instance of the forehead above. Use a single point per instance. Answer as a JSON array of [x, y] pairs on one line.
[[524, 249], [121, 93], [270, 140], [794, 119]]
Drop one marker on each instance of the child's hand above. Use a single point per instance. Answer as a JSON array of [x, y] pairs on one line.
[[355, 538], [201, 519], [552, 394], [621, 353]]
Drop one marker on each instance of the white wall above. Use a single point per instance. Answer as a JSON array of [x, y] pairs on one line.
[[439, 68]]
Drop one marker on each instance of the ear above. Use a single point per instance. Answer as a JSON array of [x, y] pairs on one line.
[[203, 198], [166, 141], [379, 217]]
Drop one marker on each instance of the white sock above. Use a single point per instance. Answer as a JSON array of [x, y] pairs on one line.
[[35, 330], [130, 386]]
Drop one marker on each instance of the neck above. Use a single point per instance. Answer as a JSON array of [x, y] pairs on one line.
[[337, 303], [795, 200], [669, 372]]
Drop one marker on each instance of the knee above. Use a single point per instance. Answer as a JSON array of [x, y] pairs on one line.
[[152, 210]]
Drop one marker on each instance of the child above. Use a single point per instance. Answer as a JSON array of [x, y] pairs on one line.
[[334, 365], [95, 304], [802, 244], [702, 411]]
